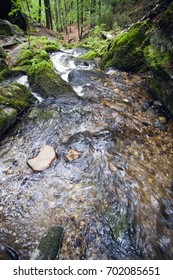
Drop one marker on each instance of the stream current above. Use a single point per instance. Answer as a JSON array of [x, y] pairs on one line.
[[111, 187]]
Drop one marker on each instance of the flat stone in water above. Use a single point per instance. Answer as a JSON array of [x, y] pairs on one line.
[[43, 160]]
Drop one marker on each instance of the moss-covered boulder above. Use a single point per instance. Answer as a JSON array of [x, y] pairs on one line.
[[49, 246], [126, 51], [14, 98], [8, 29], [7, 117], [4, 70], [43, 79], [159, 57]]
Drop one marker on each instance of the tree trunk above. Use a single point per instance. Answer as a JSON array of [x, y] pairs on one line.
[[49, 23], [56, 14], [39, 11]]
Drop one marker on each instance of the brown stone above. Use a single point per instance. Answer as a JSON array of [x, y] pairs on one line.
[[43, 160], [73, 154]]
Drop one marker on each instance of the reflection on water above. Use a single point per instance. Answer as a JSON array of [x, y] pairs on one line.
[[114, 199]]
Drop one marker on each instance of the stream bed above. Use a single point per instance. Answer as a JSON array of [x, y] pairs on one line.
[[111, 187]]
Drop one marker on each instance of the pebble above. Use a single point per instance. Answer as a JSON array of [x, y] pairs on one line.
[[1, 208], [162, 120]]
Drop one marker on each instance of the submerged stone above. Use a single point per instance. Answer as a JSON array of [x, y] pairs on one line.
[[73, 154], [49, 246], [43, 160]]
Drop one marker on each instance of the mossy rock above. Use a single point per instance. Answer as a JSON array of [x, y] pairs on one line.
[[159, 60], [49, 246], [2, 53], [4, 70], [8, 29], [126, 51], [42, 43], [3, 64], [89, 55], [7, 117], [161, 85], [43, 79], [16, 96]]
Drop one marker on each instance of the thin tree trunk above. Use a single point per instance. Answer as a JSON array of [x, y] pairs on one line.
[[49, 23], [56, 15], [78, 18], [39, 11]]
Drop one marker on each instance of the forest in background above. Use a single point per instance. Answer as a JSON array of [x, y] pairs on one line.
[[60, 15]]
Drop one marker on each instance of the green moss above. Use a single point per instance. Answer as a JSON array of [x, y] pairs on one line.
[[90, 55], [156, 59], [122, 225], [49, 246], [16, 96], [161, 85], [126, 52], [42, 116], [7, 117], [5, 74], [42, 43], [44, 80]]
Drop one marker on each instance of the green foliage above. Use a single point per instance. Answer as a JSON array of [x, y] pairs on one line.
[[156, 59], [7, 117], [95, 43], [42, 43], [15, 96], [89, 55], [126, 52]]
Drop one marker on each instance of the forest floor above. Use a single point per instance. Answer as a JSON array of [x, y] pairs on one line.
[[71, 37]]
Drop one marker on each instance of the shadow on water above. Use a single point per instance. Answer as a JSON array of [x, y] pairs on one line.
[[110, 187]]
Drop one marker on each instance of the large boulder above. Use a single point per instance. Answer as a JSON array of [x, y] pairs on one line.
[[7, 117], [147, 45], [159, 57], [126, 51], [8, 29], [43, 79], [14, 98]]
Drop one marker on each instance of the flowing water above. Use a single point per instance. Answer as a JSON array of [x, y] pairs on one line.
[[111, 186]]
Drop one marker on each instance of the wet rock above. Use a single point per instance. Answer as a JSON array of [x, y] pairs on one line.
[[49, 246], [159, 125], [73, 154], [8, 29], [4, 71], [167, 213], [81, 77], [16, 96], [43, 160], [43, 79], [7, 117], [125, 52]]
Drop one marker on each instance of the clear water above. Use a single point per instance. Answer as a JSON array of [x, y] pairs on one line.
[[115, 200]]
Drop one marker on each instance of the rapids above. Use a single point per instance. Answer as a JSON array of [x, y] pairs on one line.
[[115, 198]]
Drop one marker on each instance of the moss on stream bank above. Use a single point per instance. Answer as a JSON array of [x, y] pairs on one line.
[[14, 98], [126, 51]]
